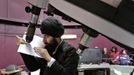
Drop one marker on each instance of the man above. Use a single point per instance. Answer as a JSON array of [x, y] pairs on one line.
[[59, 58]]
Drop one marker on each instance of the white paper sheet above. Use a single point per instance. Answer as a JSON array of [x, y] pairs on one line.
[[28, 48]]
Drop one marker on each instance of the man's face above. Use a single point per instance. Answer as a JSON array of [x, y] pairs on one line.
[[50, 43], [48, 40]]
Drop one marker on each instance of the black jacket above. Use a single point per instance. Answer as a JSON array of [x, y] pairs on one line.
[[66, 61]]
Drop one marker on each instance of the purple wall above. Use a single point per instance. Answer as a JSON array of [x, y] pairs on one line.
[[14, 10], [103, 42], [3, 8], [78, 32], [8, 48]]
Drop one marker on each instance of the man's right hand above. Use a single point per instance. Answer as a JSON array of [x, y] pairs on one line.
[[20, 40]]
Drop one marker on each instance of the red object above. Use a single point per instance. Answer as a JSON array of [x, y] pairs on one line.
[[113, 56]]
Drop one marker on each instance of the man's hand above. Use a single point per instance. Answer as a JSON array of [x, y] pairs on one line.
[[20, 40], [43, 53]]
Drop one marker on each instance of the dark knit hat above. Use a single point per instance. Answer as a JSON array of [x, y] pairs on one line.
[[51, 26]]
